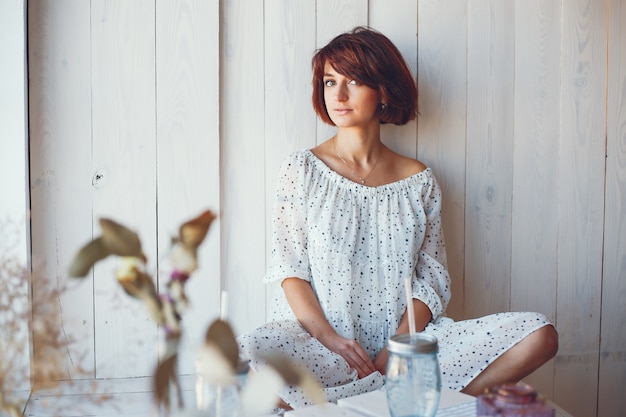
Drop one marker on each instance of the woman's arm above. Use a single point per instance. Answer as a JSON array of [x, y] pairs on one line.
[[308, 311], [422, 317]]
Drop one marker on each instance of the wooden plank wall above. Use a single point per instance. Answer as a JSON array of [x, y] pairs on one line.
[[14, 224], [149, 111], [582, 147], [105, 142], [612, 369], [60, 159]]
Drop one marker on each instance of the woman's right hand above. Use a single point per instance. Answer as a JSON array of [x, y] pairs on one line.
[[351, 351]]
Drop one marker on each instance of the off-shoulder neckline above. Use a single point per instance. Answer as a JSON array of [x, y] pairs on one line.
[[322, 165]]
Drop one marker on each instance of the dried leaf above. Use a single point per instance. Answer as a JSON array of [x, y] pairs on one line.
[[312, 388], [12, 408], [260, 394], [138, 284], [119, 240], [221, 334], [294, 374], [213, 366], [193, 232], [135, 281], [284, 367], [86, 257], [164, 374], [183, 258]]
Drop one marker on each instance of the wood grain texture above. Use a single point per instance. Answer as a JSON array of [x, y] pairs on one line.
[[60, 168], [581, 204], [612, 372], [337, 16], [290, 121], [124, 154], [243, 167], [397, 19], [536, 161], [535, 186], [489, 168], [442, 82], [188, 153]]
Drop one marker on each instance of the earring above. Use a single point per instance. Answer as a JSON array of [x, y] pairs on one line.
[[383, 106]]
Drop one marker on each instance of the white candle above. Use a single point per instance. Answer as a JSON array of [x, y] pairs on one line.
[[410, 311], [224, 305]]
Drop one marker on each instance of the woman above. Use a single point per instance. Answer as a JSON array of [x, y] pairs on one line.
[[352, 219]]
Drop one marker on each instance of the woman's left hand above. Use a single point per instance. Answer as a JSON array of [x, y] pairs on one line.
[[380, 362]]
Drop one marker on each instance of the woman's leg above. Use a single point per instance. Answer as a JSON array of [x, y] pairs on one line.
[[518, 362]]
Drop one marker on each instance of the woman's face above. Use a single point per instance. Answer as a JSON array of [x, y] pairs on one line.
[[348, 102]]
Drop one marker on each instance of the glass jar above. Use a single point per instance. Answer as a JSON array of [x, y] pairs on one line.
[[218, 399], [413, 379], [221, 399]]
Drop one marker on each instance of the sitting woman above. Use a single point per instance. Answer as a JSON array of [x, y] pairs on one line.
[[351, 220]]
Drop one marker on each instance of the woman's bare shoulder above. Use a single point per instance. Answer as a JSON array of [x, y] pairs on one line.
[[407, 167]]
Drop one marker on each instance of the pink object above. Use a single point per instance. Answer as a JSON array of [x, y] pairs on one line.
[[512, 400]]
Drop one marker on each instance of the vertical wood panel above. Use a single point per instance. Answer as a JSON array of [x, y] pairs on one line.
[[581, 203], [14, 224], [612, 375], [290, 120], [535, 181], [124, 155], [336, 16], [60, 162], [489, 157], [442, 73], [187, 92], [243, 165], [397, 19]]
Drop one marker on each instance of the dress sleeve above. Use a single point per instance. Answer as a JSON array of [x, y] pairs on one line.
[[431, 284], [289, 257]]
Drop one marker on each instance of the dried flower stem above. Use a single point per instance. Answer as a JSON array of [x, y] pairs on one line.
[[26, 313]]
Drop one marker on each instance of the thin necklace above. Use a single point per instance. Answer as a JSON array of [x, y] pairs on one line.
[[361, 179]]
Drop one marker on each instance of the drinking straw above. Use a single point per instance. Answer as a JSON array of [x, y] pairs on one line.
[[224, 305], [409, 305]]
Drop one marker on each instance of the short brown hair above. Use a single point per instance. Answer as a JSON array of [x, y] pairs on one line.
[[372, 59]]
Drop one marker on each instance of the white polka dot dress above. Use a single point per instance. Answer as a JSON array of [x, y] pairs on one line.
[[356, 244]]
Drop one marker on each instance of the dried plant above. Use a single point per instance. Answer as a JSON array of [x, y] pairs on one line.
[[30, 310], [219, 355], [14, 318], [166, 309], [27, 315]]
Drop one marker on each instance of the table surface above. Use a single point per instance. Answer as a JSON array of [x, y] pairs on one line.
[[374, 404], [133, 397]]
